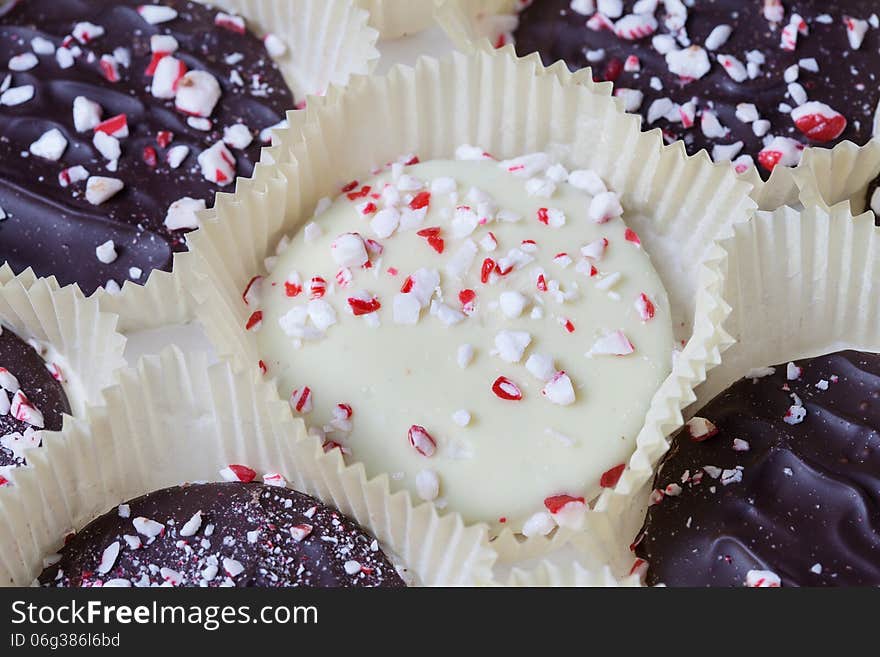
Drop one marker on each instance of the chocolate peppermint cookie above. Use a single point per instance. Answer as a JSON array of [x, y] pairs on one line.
[[775, 482], [222, 534], [751, 82], [120, 120], [31, 398]]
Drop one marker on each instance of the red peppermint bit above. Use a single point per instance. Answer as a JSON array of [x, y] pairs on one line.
[[432, 234], [292, 289], [262, 366], [330, 445], [645, 307], [467, 298], [350, 186], [407, 286], [317, 287], [154, 62], [246, 295], [369, 208], [421, 200], [373, 247], [231, 23], [610, 478], [769, 159], [639, 568], [254, 320], [302, 397], [346, 410], [593, 271], [3, 480], [113, 125], [568, 325], [613, 69], [244, 473], [164, 137], [421, 440], [632, 236], [821, 128], [109, 69], [543, 217], [437, 244], [506, 389], [392, 271], [542, 283], [502, 519], [56, 372], [413, 160], [486, 270], [501, 41], [361, 193], [344, 277], [554, 503], [150, 157], [363, 306]]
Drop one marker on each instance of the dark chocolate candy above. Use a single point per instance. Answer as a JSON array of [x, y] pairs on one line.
[[223, 534], [848, 79], [23, 371], [54, 229], [800, 499]]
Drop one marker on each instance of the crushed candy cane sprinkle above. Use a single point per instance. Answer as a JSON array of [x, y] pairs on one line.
[[805, 431], [239, 533], [751, 82], [29, 397], [147, 119], [464, 314]]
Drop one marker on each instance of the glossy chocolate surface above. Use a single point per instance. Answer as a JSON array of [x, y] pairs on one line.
[[223, 534], [799, 499], [34, 379], [847, 80], [54, 229]]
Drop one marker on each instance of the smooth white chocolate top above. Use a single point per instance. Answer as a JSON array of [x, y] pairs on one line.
[[502, 273]]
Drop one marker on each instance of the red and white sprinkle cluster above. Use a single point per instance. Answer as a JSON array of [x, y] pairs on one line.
[[465, 260], [15, 404], [253, 543], [192, 93], [818, 122]]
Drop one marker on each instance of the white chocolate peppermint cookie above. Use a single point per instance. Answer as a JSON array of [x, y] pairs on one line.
[[490, 334]]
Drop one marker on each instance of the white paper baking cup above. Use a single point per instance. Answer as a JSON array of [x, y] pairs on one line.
[[174, 419], [397, 18], [839, 175], [328, 41], [74, 329], [800, 284], [509, 106], [479, 24]]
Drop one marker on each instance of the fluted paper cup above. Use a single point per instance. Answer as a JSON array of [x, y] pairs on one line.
[[397, 18], [843, 174], [800, 284], [328, 41], [79, 337], [508, 106], [174, 419]]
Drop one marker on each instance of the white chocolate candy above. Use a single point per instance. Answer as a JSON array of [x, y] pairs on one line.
[[421, 335]]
